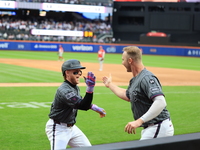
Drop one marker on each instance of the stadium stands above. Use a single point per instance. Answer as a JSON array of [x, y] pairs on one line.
[[107, 3], [13, 28]]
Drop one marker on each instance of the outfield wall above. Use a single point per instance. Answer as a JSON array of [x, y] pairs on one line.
[[93, 48]]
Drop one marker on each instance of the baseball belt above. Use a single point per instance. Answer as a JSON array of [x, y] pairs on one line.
[[68, 125]]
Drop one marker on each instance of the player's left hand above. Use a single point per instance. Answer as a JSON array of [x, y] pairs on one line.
[[99, 110], [131, 126]]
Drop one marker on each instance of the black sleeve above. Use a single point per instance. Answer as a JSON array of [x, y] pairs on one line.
[[85, 104]]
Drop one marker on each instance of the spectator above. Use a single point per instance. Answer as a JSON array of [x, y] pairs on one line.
[[5, 35]]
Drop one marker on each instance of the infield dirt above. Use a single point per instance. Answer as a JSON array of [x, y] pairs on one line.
[[167, 76]]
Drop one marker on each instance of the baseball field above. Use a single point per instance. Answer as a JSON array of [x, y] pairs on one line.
[[28, 82]]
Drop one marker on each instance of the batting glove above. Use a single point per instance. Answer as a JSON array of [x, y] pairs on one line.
[[90, 82], [99, 110]]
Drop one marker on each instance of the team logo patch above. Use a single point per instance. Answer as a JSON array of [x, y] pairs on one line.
[[151, 81], [70, 95], [155, 89]]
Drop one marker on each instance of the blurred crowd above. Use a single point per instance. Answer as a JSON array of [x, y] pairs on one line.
[[107, 3], [12, 28]]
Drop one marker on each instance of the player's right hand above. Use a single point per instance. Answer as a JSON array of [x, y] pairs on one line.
[[107, 80], [130, 128], [90, 82]]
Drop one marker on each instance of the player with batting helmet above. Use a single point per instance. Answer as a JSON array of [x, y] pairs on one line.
[[60, 128]]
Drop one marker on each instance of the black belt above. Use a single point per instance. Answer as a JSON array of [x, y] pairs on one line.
[[159, 122], [68, 125]]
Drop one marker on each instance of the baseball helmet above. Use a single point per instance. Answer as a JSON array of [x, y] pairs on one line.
[[71, 64]]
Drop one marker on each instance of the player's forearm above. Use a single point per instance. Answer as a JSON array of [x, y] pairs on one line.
[[120, 92], [85, 104], [156, 108]]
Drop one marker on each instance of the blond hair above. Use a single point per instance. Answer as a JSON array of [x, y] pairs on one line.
[[133, 52]]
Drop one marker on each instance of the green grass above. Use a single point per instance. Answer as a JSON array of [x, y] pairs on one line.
[[183, 104], [23, 128], [24, 110], [19, 74], [191, 63]]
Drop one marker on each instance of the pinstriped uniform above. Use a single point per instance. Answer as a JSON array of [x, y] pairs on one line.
[[141, 90], [67, 96], [63, 113]]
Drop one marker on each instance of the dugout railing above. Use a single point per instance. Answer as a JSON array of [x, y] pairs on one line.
[[177, 142]]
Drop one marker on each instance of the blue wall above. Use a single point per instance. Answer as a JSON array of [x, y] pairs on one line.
[[93, 48]]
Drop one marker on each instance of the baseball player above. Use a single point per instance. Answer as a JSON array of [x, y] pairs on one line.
[[145, 96], [101, 55], [60, 128], [60, 53]]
